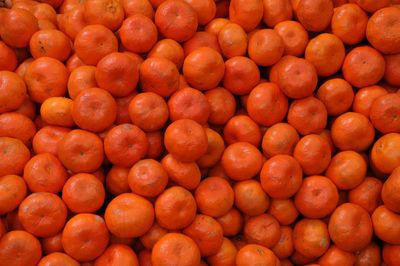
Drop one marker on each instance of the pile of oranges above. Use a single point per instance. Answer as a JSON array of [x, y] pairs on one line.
[[199, 132]]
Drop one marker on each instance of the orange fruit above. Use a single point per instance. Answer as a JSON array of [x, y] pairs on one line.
[[85, 237], [139, 210], [253, 253]]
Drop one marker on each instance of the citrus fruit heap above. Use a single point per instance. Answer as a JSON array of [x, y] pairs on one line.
[[199, 132]]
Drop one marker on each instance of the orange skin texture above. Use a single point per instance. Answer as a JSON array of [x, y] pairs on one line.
[[389, 196], [250, 198], [241, 128], [311, 237], [347, 218], [386, 226]]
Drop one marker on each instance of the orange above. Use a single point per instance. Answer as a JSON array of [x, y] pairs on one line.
[[386, 225], [250, 197], [72, 21], [280, 138], [314, 15], [367, 194], [159, 75], [326, 52], [385, 155], [293, 35], [138, 213], [13, 191], [215, 25], [241, 75], [13, 156], [17, 34], [81, 151], [363, 66], [390, 254], [350, 227], [384, 112], [317, 197], [284, 211], [313, 153], [222, 105], [276, 11], [186, 140], [189, 103], [371, 255], [352, 131], [392, 69], [241, 161], [148, 111], [116, 180], [201, 39], [296, 77], [231, 222], [349, 23], [46, 77], [125, 144], [117, 254], [265, 47], [17, 126], [205, 10], [308, 109], [175, 208], [19, 248], [81, 78], [179, 28], [56, 258], [214, 196], [203, 68], [46, 139], [187, 175], [208, 243], [57, 111], [45, 173], [122, 108], [232, 40], [104, 12], [85, 237], [241, 128], [383, 29], [138, 33], [389, 196], [306, 245], [336, 256], [83, 193], [337, 95], [74, 62], [168, 49], [94, 109], [253, 253], [147, 178], [175, 249], [93, 42], [52, 244], [266, 223], [347, 169], [226, 255], [281, 176], [284, 248], [215, 148], [118, 74], [371, 6], [51, 43], [42, 214], [12, 91], [153, 235], [247, 14], [138, 7], [267, 104], [8, 59]]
